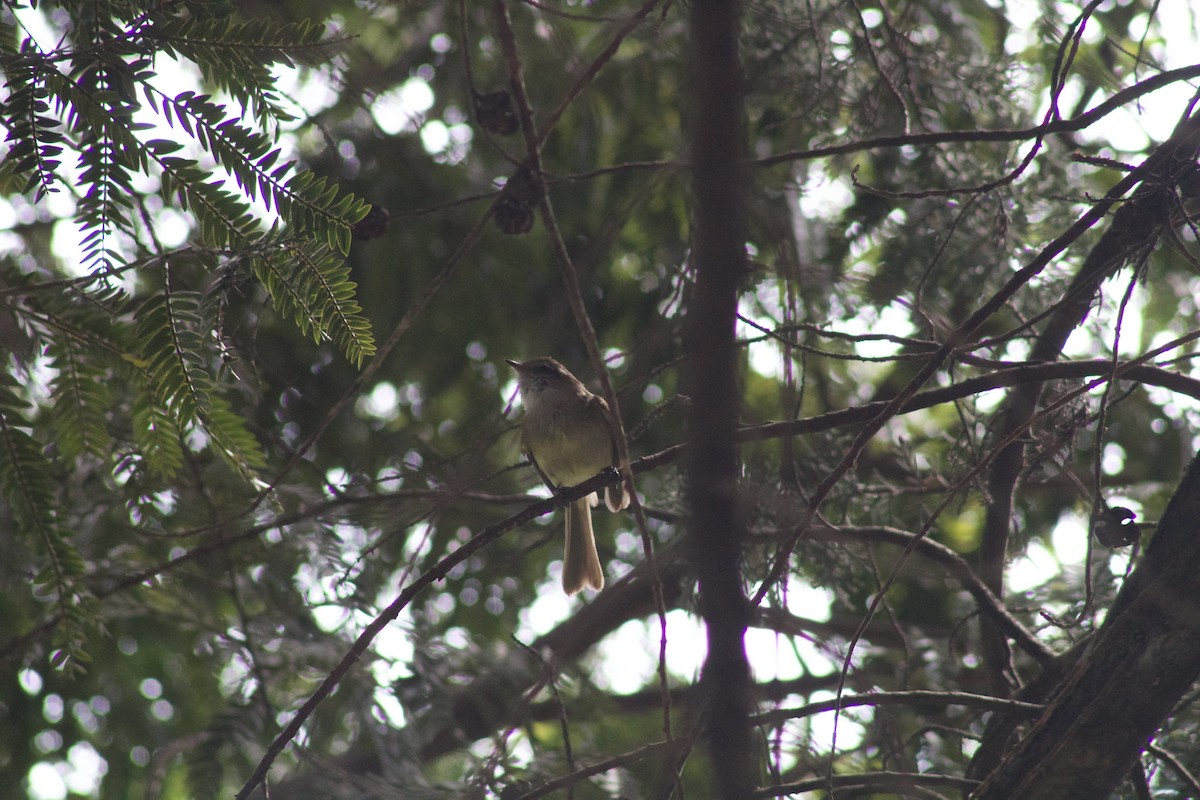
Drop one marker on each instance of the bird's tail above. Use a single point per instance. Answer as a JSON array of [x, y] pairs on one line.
[[581, 562]]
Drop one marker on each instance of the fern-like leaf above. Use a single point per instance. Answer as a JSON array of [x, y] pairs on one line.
[[224, 219], [311, 206], [80, 400], [182, 390], [36, 140], [168, 330], [157, 437], [28, 487], [237, 57], [234, 443], [109, 156], [310, 283]]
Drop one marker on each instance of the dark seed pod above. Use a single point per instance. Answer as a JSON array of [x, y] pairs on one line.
[[1189, 182], [373, 225], [513, 216], [497, 113], [1115, 527], [524, 187], [516, 790]]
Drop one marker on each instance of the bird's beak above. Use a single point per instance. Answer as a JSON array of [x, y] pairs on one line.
[[514, 364]]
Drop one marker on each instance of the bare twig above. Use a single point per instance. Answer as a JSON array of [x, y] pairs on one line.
[[435, 573], [575, 300]]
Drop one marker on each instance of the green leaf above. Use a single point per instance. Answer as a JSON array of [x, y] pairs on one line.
[[81, 402], [28, 487], [157, 437], [309, 283], [183, 395]]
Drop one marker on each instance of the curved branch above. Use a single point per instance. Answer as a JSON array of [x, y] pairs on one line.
[[983, 702], [1012, 376], [574, 293], [1072, 125], [1135, 227], [988, 603], [956, 339], [881, 780], [389, 615], [1127, 679], [878, 781]]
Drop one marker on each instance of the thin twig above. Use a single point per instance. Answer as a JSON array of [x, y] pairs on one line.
[[582, 320], [958, 336], [435, 573], [213, 540]]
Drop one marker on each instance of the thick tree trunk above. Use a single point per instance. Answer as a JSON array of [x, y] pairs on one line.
[[719, 256], [1126, 681]]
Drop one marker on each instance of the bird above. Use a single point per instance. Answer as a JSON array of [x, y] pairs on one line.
[[567, 437]]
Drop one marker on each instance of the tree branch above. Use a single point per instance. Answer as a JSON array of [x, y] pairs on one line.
[[1128, 678], [1135, 227]]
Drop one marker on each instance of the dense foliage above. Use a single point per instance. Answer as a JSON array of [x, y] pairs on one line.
[[263, 513]]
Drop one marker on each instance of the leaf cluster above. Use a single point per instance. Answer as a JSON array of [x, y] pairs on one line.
[[93, 119]]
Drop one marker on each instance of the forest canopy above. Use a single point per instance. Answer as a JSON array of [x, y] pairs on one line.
[[894, 305]]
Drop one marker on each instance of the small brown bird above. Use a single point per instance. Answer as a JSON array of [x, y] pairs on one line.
[[566, 437]]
